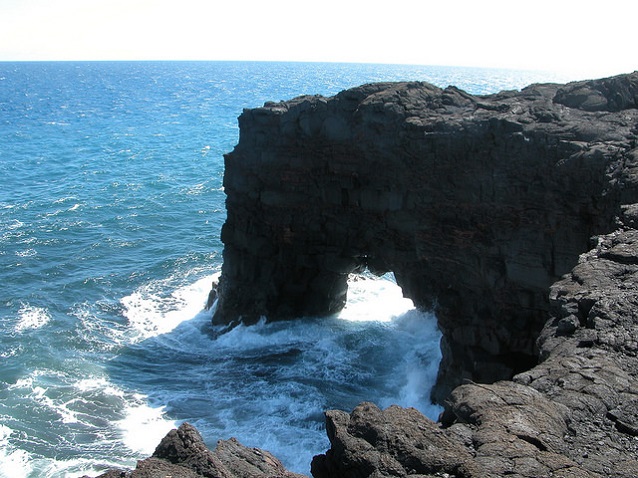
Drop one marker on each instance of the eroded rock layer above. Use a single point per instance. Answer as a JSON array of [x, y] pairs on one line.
[[476, 203]]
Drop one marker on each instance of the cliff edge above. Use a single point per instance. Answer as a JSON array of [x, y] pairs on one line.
[[514, 215], [476, 203]]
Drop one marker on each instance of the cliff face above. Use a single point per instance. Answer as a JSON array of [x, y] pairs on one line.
[[573, 415], [480, 204], [477, 204]]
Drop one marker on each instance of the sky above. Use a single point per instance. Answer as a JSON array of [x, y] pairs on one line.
[[581, 37]]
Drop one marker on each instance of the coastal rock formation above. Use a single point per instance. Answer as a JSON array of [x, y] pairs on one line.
[[182, 453], [573, 415], [476, 203], [522, 211]]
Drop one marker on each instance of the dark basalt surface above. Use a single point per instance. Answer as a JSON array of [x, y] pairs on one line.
[[183, 454], [515, 214], [476, 203]]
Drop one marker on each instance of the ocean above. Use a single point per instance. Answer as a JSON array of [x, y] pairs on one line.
[[111, 208]]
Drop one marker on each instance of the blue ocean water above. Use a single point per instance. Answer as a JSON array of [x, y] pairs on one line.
[[111, 208]]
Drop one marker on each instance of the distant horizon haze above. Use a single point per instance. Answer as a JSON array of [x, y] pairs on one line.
[[580, 40]]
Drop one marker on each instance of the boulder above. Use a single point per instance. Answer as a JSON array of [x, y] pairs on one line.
[[182, 453]]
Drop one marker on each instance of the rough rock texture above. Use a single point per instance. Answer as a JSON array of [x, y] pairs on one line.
[[476, 203], [573, 415], [574, 412], [182, 453]]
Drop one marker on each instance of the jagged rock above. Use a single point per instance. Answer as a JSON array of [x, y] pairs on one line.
[[573, 415], [476, 203], [593, 369], [504, 429], [481, 203], [182, 453], [393, 442]]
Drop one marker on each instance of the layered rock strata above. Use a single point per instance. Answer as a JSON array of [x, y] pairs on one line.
[[476, 203], [574, 413]]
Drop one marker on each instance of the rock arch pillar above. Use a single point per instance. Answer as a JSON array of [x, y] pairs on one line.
[[477, 204]]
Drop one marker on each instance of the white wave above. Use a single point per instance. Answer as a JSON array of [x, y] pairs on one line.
[[151, 312], [36, 387], [64, 199], [372, 298], [269, 383], [15, 224], [71, 468], [107, 417], [30, 318], [144, 426], [26, 253], [14, 463], [196, 189], [100, 384]]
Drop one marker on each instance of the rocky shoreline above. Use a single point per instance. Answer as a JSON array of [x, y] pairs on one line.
[[573, 415], [516, 213]]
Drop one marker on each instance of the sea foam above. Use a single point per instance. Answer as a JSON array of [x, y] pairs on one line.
[[30, 317]]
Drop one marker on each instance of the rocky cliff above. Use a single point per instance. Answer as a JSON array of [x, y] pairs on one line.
[[476, 203], [575, 414], [515, 214]]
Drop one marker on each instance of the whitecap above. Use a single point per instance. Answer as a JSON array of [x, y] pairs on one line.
[[195, 189], [64, 199], [14, 463], [143, 426], [151, 311], [15, 224], [30, 318], [27, 253]]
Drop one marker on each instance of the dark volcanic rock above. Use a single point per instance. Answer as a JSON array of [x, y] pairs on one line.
[[486, 204], [182, 453], [392, 442], [573, 415], [476, 203]]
